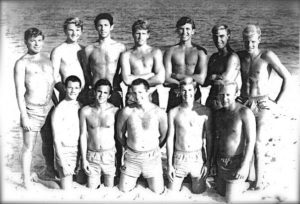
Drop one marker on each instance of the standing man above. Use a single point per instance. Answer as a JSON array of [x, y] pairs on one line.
[[189, 130], [235, 140], [256, 67], [102, 57], [141, 129], [182, 60], [34, 82], [142, 61], [222, 65], [65, 125], [97, 125], [67, 57]]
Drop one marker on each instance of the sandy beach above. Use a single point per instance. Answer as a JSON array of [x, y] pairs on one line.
[[281, 158]]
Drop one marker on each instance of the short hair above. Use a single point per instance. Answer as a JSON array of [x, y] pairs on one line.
[[73, 20], [187, 81], [224, 83], [140, 81], [184, 20], [72, 78], [215, 29], [103, 82], [251, 29], [106, 16], [140, 25], [33, 32]]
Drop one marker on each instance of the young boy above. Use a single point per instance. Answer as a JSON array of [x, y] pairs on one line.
[[189, 130], [67, 57], [34, 82], [97, 125], [65, 125], [234, 143], [185, 59]]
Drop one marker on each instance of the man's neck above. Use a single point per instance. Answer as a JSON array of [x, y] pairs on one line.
[[142, 48], [188, 104], [71, 42], [104, 40], [223, 52], [187, 43], [34, 55]]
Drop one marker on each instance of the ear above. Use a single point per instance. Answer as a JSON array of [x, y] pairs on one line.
[[193, 31], [112, 27]]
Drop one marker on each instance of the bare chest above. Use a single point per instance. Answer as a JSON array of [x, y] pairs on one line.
[[141, 63], [102, 120]]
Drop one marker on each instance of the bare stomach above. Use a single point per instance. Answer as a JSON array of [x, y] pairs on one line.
[[143, 142], [101, 139]]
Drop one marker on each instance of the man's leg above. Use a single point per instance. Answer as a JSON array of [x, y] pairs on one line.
[[47, 146], [127, 183], [176, 184], [109, 180], [29, 139], [94, 181], [234, 191], [261, 136], [66, 182], [156, 184]]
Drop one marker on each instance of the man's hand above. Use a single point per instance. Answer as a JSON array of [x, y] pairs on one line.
[[25, 123], [171, 173]]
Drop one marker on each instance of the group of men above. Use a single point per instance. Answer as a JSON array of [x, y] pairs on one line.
[[107, 115]]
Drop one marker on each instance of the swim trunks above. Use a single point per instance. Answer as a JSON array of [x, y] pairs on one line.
[[37, 114], [227, 168], [147, 163], [188, 163], [102, 162], [69, 153], [256, 104]]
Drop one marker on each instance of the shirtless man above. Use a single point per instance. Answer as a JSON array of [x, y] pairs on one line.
[[189, 130], [182, 60], [146, 127], [256, 67], [67, 57], [235, 131], [222, 65], [142, 61], [97, 125], [102, 58], [65, 123], [34, 82]]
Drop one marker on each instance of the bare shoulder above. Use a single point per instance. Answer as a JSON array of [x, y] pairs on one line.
[[120, 46], [85, 110], [201, 109], [200, 49], [268, 55], [173, 111], [21, 61], [244, 111]]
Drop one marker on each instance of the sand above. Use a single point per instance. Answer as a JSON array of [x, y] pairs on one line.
[[281, 158]]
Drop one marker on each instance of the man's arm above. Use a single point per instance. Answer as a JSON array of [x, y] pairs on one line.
[[159, 70], [126, 70], [55, 58], [163, 128], [249, 132], [121, 126], [281, 70], [86, 65], [57, 130], [19, 78], [169, 80], [170, 144], [208, 144], [83, 138], [232, 68]]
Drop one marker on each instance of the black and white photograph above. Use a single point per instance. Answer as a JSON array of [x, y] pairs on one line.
[[149, 101]]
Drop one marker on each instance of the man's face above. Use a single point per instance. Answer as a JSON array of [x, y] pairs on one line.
[[227, 95], [73, 32], [251, 42], [220, 39], [187, 92], [185, 32], [102, 93], [140, 37], [140, 93], [104, 28], [35, 44], [72, 90]]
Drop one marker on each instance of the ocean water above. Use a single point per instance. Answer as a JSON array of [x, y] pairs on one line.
[[279, 21]]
